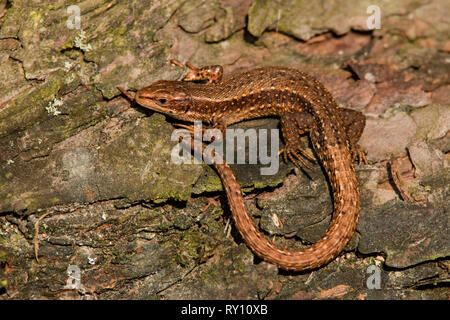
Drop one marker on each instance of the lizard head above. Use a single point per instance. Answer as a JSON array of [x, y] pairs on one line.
[[168, 97]]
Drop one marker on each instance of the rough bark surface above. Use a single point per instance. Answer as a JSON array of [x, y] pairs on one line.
[[116, 218]]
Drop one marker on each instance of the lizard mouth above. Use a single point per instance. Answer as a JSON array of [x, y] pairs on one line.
[[161, 105], [154, 103], [161, 102]]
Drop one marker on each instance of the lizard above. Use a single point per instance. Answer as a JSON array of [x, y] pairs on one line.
[[304, 106]]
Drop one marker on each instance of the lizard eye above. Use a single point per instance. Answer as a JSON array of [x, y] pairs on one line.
[[162, 101]]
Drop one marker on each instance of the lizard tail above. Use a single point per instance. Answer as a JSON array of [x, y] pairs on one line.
[[342, 226]]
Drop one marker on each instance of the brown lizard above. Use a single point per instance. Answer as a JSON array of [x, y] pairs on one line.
[[304, 106]]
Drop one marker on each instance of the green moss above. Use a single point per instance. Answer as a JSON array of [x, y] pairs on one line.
[[164, 192], [261, 14], [143, 215], [258, 185], [28, 107], [3, 256], [122, 30], [188, 247], [68, 45], [118, 258], [35, 16], [120, 42], [30, 203]]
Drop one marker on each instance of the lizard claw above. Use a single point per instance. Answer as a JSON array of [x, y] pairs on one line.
[[358, 155], [296, 155]]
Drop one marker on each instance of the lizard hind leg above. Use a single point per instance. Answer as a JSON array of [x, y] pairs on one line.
[[211, 74], [293, 126], [354, 121]]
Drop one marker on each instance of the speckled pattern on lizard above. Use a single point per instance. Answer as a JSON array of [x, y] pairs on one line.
[[304, 106]]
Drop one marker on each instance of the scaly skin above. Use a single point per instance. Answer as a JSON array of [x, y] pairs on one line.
[[304, 107]]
